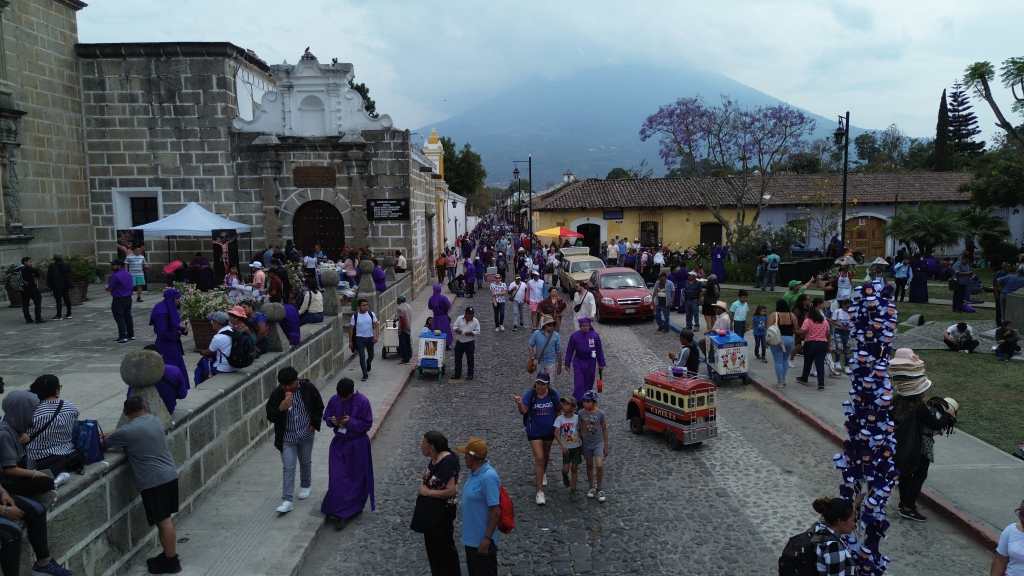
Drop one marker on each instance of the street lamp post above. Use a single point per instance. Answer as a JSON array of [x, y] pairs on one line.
[[529, 176], [455, 216], [843, 131]]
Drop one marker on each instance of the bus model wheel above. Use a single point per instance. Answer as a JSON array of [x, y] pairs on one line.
[[673, 441], [636, 425]]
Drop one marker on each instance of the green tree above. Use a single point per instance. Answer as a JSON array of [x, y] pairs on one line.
[[866, 145], [926, 227], [942, 136], [368, 104], [963, 125], [618, 173], [921, 155], [979, 76], [998, 179], [465, 174]]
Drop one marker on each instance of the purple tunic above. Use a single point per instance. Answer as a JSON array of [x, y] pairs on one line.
[[290, 325], [166, 323], [379, 279], [678, 278], [718, 256], [172, 387], [439, 305], [585, 353], [350, 466]]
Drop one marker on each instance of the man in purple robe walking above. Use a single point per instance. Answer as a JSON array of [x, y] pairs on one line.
[[439, 305], [166, 323], [350, 467], [380, 283], [586, 355]]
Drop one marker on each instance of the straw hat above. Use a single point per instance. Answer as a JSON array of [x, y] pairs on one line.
[[912, 386], [846, 261], [721, 305], [905, 358], [879, 262], [545, 320]]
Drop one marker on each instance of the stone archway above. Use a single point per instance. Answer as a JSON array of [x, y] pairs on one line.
[[319, 222], [290, 206]]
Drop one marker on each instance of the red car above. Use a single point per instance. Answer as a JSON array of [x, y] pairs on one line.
[[621, 293]]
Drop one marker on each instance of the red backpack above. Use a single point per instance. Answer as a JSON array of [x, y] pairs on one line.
[[507, 516]]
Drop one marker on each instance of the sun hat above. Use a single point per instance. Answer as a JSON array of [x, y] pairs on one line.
[[256, 264], [568, 400], [912, 386], [238, 312], [545, 320], [879, 262], [905, 357], [721, 305], [954, 406], [475, 447]]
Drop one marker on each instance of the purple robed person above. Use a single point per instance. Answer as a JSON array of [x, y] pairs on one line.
[[718, 256], [172, 387], [585, 354], [439, 305], [678, 279], [290, 325], [470, 271], [350, 467], [379, 279], [166, 322]]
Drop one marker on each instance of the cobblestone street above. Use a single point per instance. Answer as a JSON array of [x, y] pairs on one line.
[[724, 508]]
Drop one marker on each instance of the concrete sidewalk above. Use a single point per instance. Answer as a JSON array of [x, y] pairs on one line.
[[234, 529], [971, 482], [816, 292]]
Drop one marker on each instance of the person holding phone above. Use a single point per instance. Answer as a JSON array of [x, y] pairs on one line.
[[295, 408]]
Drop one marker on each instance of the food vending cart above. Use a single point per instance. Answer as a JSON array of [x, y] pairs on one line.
[[430, 359], [726, 357]]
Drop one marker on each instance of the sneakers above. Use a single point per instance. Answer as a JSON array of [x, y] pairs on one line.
[[791, 363], [304, 493], [592, 492], [285, 507], [497, 328], [502, 328], [161, 564], [61, 479], [912, 514], [122, 341], [540, 498], [54, 569], [544, 482], [802, 381], [68, 317], [600, 496]]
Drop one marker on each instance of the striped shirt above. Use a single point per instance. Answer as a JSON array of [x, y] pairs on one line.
[[297, 428], [58, 438]]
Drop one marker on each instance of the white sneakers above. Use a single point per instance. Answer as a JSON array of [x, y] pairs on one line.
[[792, 364], [600, 496], [540, 498], [304, 493], [592, 492], [285, 507], [545, 481], [61, 479]]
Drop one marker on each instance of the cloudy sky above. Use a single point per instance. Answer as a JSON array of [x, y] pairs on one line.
[[885, 61]]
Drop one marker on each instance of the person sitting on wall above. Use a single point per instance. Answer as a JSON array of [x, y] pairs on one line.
[[960, 338]]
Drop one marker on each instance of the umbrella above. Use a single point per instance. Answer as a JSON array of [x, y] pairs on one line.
[[559, 232]]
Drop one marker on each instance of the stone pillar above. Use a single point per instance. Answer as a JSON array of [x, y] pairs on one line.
[[389, 268], [269, 170], [366, 288], [360, 226], [142, 370], [274, 311], [329, 286]]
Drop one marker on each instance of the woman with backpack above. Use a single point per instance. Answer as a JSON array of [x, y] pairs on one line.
[[822, 550]]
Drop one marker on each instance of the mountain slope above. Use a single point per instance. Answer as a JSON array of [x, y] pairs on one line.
[[587, 122]]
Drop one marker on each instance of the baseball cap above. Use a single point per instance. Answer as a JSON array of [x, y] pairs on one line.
[[543, 378], [590, 395], [470, 310], [475, 447]]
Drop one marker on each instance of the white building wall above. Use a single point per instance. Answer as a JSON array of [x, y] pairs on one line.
[[456, 217]]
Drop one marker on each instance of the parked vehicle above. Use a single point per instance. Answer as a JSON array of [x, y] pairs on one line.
[[577, 264], [621, 293], [681, 407]]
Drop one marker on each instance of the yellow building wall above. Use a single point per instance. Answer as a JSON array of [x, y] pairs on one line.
[[677, 227]]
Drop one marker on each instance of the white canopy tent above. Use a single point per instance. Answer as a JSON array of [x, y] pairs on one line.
[[192, 220]]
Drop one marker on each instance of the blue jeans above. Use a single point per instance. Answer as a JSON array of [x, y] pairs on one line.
[[364, 346], [769, 280], [661, 316], [780, 355], [301, 451], [692, 314]]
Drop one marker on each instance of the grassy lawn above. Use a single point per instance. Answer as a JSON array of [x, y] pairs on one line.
[[989, 393]]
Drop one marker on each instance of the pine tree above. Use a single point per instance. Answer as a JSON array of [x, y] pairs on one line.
[[963, 124], [942, 136]]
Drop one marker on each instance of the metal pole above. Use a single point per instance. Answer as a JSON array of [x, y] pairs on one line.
[[529, 168], [846, 169]]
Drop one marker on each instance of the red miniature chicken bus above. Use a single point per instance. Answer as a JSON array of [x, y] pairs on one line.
[[680, 407]]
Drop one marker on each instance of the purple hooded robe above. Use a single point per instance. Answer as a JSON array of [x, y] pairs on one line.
[[350, 464], [290, 325], [379, 279], [585, 353], [439, 305], [166, 323]]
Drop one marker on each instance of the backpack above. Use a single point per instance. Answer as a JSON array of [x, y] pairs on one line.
[[773, 264], [800, 556], [243, 350], [15, 280], [88, 437], [507, 512]]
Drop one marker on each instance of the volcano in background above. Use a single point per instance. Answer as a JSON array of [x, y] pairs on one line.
[[589, 121]]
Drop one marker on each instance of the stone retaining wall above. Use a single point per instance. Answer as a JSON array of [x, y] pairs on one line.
[[98, 523]]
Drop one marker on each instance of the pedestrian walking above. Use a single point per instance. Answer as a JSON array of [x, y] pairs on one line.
[[517, 291], [30, 291], [350, 468], [539, 406], [594, 439], [664, 291], [691, 300], [583, 303], [553, 306], [120, 286], [144, 442], [1009, 555], [295, 408], [364, 331], [499, 296], [466, 329], [534, 296], [481, 509], [544, 346], [404, 330], [781, 339], [585, 354], [136, 265], [759, 325], [439, 267], [435, 511], [58, 278], [840, 323], [815, 332], [469, 273], [439, 305], [739, 310], [831, 556], [567, 434]]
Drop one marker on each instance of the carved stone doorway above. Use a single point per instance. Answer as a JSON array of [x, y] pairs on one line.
[[319, 222]]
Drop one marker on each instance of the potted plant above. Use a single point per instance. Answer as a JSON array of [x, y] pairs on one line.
[[83, 273], [13, 296], [195, 306]]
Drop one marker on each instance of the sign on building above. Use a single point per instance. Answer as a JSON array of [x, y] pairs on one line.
[[381, 209]]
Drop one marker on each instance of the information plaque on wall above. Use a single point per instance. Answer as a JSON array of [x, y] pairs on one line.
[[613, 213], [314, 177], [397, 209]]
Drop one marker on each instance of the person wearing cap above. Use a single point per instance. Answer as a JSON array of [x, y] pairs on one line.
[[544, 346], [259, 277], [481, 509], [959, 337], [594, 438], [691, 300], [793, 291], [220, 345], [166, 323], [120, 285], [466, 329], [1009, 554], [350, 464], [585, 354], [539, 407]]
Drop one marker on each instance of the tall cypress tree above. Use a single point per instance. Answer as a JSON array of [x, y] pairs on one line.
[[942, 136], [963, 124]]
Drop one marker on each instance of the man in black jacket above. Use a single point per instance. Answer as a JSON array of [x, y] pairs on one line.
[[296, 409], [30, 290], [58, 278]]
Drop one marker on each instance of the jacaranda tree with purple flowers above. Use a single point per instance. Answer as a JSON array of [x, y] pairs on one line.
[[744, 144]]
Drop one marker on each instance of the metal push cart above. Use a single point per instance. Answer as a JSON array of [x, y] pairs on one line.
[[389, 338], [431, 353], [726, 357]]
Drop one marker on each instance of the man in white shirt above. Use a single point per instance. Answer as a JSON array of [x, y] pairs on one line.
[[960, 338], [613, 253], [517, 294], [466, 329], [534, 294], [364, 331], [400, 262], [583, 303], [220, 345]]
